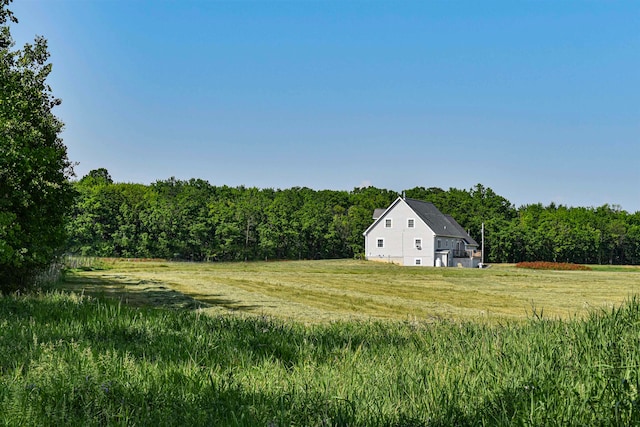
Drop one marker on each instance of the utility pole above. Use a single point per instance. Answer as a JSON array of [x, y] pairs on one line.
[[482, 254]]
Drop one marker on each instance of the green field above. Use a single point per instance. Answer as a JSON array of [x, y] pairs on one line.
[[317, 291], [376, 345], [67, 359]]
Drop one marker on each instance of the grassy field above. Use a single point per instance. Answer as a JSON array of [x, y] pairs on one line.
[[214, 344], [78, 361], [320, 291]]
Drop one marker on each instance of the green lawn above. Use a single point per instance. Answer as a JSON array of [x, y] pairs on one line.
[[320, 291], [72, 359]]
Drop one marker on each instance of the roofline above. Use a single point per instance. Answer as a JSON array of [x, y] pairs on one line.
[[381, 216], [400, 198], [404, 199]]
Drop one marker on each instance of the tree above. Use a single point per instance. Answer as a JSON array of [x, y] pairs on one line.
[[97, 177], [35, 192]]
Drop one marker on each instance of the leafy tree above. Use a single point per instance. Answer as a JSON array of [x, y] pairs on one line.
[[35, 192], [280, 231], [97, 177]]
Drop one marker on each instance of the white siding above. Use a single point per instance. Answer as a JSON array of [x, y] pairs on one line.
[[400, 240]]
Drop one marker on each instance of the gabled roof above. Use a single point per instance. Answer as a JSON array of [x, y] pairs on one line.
[[435, 219], [441, 224], [378, 213], [470, 241]]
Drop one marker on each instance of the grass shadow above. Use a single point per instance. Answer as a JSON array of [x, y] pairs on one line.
[[215, 300], [146, 293]]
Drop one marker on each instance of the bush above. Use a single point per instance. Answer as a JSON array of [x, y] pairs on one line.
[[545, 265]]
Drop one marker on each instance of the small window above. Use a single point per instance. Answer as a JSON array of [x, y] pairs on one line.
[[417, 243], [380, 243], [411, 223], [418, 261], [387, 223], [439, 243], [446, 243]]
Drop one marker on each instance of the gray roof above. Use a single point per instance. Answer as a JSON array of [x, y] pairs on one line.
[[442, 225], [378, 213], [465, 235]]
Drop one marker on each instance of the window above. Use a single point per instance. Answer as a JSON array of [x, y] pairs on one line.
[[411, 223], [380, 243], [439, 243], [418, 261], [387, 223], [417, 242], [446, 243]]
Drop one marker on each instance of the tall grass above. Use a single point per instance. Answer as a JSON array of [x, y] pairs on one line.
[[84, 263], [71, 360]]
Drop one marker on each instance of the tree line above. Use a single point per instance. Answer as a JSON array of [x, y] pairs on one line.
[[35, 190], [194, 220]]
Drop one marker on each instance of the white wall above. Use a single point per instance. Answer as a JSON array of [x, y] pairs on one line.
[[399, 239]]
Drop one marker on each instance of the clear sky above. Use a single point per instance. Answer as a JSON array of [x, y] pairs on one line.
[[539, 100]]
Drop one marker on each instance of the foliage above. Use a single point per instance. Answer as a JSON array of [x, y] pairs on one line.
[[70, 360], [35, 193], [603, 235], [194, 220], [545, 265]]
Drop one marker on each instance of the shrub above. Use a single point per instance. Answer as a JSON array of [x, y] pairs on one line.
[[545, 265]]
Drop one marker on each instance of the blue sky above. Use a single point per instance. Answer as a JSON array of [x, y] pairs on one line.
[[539, 100]]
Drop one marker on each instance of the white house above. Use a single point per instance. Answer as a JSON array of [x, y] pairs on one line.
[[413, 232]]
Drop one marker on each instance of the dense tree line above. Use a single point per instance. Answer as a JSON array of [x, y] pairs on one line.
[[194, 220], [603, 235]]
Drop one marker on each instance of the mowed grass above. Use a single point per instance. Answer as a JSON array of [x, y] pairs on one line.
[[321, 291]]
